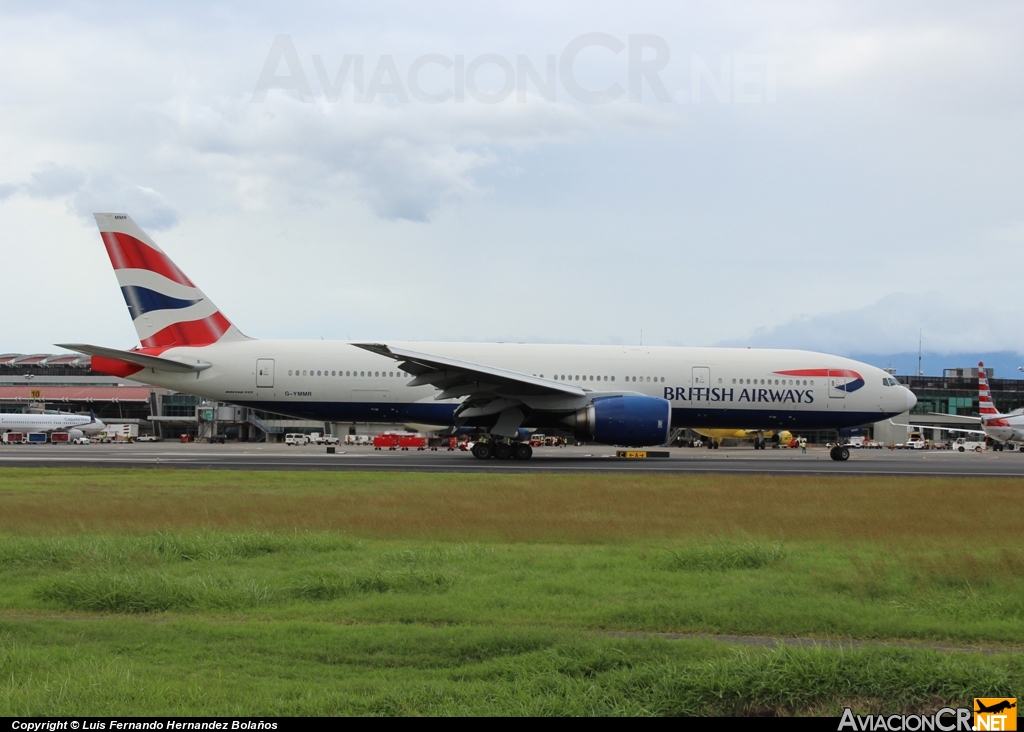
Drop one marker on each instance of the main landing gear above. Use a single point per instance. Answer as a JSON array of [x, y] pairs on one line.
[[502, 450], [840, 453]]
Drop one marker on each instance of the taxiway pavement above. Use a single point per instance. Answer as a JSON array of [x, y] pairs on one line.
[[259, 456]]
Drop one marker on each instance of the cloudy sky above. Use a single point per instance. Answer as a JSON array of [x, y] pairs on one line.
[[835, 176]]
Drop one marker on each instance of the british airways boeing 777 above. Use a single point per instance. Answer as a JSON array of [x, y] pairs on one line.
[[621, 395]]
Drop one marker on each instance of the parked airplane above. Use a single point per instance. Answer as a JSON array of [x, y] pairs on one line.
[[74, 424], [609, 394], [760, 437], [1000, 427]]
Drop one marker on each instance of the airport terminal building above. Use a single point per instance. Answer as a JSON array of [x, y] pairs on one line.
[[65, 382]]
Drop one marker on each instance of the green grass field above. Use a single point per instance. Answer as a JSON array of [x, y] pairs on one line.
[[225, 592]]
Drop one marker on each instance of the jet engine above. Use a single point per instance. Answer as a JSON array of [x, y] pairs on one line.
[[75, 433], [633, 421]]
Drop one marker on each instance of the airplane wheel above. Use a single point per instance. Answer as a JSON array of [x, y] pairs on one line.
[[522, 451], [839, 454], [503, 451], [483, 451], [714, 445]]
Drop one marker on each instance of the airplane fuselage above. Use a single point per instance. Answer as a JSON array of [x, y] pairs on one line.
[[708, 387], [47, 423], [1005, 428]]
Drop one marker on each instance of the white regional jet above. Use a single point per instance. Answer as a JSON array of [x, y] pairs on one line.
[[75, 425], [617, 395], [1001, 428]]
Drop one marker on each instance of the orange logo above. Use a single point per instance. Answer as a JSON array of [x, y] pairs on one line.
[[995, 714]]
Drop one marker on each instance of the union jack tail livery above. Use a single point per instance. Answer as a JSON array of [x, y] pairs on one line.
[[167, 308]]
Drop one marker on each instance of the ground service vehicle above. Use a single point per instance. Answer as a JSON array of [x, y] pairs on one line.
[[962, 444], [612, 395], [13, 438], [386, 441], [295, 438]]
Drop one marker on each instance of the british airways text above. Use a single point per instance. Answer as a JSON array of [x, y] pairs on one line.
[[721, 394]]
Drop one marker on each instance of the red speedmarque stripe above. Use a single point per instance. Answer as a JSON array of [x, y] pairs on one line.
[[820, 372], [190, 333], [127, 252]]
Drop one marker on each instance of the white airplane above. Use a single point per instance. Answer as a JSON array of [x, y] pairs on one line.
[[1000, 427], [76, 425], [617, 395]]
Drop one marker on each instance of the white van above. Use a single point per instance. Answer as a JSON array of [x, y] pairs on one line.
[[296, 438]]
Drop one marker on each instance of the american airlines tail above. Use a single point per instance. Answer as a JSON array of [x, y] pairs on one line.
[[986, 408], [167, 308]]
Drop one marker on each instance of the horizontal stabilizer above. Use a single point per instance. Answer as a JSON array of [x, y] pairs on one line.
[[139, 359]]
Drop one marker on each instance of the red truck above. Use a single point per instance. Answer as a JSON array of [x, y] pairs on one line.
[[399, 442], [387, 440], [417, 441]]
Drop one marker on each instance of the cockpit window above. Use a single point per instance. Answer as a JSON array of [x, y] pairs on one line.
[[889, 381]]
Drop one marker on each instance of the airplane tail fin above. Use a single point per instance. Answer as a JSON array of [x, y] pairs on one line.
[[985, 406], [166, 307]]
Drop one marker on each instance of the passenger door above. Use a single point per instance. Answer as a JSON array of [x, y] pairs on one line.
[[265, 373], [836, 380], [701, 377]]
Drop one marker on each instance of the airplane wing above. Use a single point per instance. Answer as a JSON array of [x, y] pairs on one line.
[[937, 427], [957, 416], [139, 359], [487, 390], [458, 378]]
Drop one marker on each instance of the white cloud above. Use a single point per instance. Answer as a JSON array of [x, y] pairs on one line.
[[890, 157], [86, 195], [893, 324]]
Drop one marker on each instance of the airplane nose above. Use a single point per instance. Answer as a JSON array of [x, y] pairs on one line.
[[911, 399]]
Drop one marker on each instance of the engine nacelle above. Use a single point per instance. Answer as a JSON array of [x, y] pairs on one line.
[[633, 421]]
